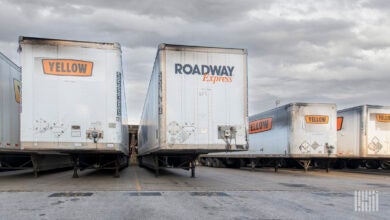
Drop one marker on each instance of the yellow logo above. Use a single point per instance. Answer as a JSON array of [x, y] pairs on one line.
[[340, 123], [63, 67], [383, 117], [17, 89], [317, 119], [260, 125]]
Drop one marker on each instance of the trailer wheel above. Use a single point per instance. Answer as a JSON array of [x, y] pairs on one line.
[[202, 161], [76, 165], [127, 161], [217, 163], [209, 162], [232, 163], [372, 164], [140, 162], [237, 163], [385, 165], [192, 167], [353, 164], [340, 164]]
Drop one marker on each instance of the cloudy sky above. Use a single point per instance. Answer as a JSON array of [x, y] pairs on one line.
[[299, 51]]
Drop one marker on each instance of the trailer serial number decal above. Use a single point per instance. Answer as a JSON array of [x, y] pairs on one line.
[[383, 117], [63, 67], [317, 119], [260, 125]]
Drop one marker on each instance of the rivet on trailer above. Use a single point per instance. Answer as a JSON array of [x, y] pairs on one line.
[[74, 102]]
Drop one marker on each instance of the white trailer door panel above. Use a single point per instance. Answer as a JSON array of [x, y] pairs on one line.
[[204, 91]]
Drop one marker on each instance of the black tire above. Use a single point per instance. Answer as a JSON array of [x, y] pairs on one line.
[[202, 161], [232, 163], [372, 164], [340, 164], [215, 163], [283, 163], [238, 163], [242, 163], [353, 164], [140, 162], [385, 165], [209, 162], [218, 163]]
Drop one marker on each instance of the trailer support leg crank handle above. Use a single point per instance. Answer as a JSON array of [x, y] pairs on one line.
[[253, 164], [117, 163], [34, 160], [305, 164]]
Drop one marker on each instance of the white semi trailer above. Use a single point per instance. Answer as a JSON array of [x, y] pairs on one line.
[[196, 103], [10, 106], [73, 101], [12, 157], [363, 136], [300, 132]]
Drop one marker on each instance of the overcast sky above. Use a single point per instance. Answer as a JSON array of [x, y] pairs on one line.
[[298, 51]]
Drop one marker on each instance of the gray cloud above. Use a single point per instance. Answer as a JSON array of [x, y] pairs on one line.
[[306, 51]]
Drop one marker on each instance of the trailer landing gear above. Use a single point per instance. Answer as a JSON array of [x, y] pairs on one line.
[[253, 164], [117, 165], [76, 164], [305, 164], [278, 163], [192, 167], [327, 165], [156, 167], [34, 161]]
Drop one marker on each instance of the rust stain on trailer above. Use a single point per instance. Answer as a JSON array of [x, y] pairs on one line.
[[67, 67]]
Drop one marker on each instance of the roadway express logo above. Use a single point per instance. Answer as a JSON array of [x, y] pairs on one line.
[[62, 67], [209, 73]]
